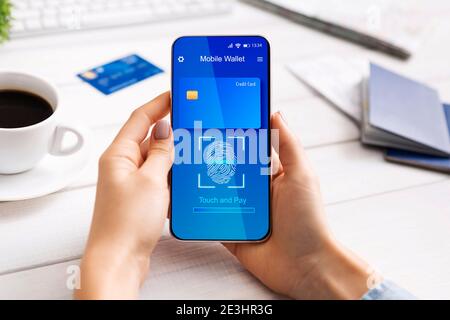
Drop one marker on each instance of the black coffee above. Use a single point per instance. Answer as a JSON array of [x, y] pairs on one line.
[[21, 109]]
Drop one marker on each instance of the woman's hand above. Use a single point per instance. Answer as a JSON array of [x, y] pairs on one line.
[[301, 259], [131, 205]]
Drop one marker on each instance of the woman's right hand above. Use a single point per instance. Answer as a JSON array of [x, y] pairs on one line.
[[301, 259]]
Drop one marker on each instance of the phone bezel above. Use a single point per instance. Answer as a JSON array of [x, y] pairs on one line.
[[269, 231]]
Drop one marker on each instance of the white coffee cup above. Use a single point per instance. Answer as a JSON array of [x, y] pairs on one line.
[[22, 148]]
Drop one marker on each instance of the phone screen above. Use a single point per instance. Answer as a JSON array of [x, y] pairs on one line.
[[220, 181]]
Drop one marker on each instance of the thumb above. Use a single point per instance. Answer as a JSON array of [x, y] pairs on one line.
[[160, 151], [291, 153]]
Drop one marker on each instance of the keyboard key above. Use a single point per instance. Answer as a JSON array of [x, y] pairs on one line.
[[113, 4], [50, 22], [51, 4], [21, 5], [17, 26], [25, 14], [36, 4], [33, 24]]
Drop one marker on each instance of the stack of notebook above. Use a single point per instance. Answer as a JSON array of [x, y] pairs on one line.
[[407, 117]]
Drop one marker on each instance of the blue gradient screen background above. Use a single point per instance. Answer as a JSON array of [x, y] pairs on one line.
[[231, 95]]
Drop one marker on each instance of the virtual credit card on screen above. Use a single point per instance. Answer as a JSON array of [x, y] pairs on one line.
[[220, 102]]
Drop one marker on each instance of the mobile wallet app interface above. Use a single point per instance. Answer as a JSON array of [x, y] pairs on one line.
[[220, 116]]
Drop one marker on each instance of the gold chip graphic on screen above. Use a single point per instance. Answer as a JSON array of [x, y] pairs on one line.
[[191, 95]]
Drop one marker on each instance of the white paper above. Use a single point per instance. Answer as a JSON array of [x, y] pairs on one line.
[[336, 78]]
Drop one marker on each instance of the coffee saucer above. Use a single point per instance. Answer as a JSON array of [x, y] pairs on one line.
[[51, 174]]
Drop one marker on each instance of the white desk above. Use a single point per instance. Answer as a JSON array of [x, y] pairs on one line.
[[396, 217]]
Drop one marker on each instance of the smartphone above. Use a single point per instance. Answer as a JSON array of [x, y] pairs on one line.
[[220, 180]]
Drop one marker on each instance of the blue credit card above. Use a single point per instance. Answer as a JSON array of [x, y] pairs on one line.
[[219, 103], [119, 74]]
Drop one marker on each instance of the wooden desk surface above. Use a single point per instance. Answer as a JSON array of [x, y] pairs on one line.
[[396, 217]]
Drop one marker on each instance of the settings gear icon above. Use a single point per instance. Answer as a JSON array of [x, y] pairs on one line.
[[180, 59]]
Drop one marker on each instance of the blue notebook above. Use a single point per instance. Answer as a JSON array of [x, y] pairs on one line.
[[403, 114], [422, 160]]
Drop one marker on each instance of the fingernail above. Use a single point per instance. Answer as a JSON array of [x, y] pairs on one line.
[[282, 116], [162, 130]]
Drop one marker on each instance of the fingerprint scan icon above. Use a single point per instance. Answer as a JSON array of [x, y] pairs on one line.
[[220, 161]]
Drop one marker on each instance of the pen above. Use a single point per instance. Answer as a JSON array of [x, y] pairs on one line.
[[334, 29]]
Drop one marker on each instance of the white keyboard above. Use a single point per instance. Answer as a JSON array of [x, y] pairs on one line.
[[38, 17]]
